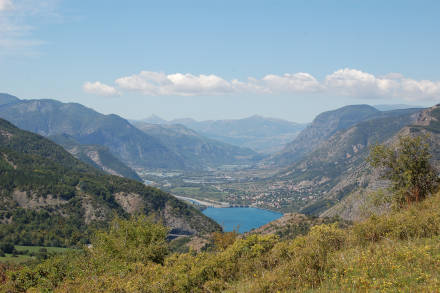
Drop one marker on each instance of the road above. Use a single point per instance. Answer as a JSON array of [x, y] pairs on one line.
[[212, 204]]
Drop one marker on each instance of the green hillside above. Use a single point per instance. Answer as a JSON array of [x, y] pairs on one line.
[[398, 252], [50, 198]]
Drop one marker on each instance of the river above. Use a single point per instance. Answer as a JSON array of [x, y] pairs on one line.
[[245, 219]]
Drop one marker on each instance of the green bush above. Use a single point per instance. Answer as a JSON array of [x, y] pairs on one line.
[[390, 253], [135, 240], [408, 168], [7, 247]]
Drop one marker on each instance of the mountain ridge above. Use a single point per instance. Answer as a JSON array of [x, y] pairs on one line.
[[134, 147], [195, 148], [337, 170], [50, 117], [262, 134], [322, 127]]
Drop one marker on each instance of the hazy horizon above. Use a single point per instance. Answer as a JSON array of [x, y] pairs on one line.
[[220, 118]]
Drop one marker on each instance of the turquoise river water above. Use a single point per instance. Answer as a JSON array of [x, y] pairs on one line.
[[245, 219]]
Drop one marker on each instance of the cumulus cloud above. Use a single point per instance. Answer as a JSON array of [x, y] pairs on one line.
[[344, 82], [298, 82], [352, 82], [98, 88], [158, 84]]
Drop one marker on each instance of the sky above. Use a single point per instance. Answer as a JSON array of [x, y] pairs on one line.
[[221, 59]]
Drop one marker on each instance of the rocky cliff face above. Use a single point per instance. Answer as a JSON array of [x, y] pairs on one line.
[[323, 127], [337, 166], [425, 122]]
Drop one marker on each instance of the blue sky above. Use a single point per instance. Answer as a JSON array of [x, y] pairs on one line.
[[221, 59]]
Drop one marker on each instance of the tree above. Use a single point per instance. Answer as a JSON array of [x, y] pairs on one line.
[[224, 239], [135, 240], [7, 247], [408, 168]]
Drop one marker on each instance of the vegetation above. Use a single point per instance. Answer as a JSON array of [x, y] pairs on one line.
[[49, 198], [390, 253], [27, 254], [408, 168], [399, 251]]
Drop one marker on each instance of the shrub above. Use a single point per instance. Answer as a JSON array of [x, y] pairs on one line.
[[7, 247], [407, 167], [134, 240]]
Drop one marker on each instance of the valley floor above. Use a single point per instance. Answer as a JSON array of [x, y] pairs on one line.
[[232, 187]]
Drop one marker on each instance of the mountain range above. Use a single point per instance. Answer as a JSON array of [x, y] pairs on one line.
[[336, 171], [322, 127], [50, 198], [98, 156], [325, 161], [132, 146], [261, 134], [325, 125], [195, 148]]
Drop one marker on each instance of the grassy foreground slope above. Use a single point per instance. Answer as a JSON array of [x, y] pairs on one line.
[[398, 252]]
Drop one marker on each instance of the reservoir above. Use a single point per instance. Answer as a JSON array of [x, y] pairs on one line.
[[245, 218]]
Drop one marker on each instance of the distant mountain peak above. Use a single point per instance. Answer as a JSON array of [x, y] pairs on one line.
[[6, 99], [154, 119]]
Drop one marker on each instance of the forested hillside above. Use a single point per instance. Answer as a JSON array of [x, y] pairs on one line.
[[51, 198]]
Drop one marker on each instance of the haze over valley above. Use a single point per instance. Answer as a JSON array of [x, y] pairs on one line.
[[208, 162]]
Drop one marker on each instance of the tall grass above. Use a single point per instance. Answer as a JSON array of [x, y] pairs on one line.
[[398, 252]]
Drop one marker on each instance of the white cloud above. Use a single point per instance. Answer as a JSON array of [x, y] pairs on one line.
[[158, 84], [5, 5], [298, 82], [179, 84], [98, 88], [343, 82], [352, 82]]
